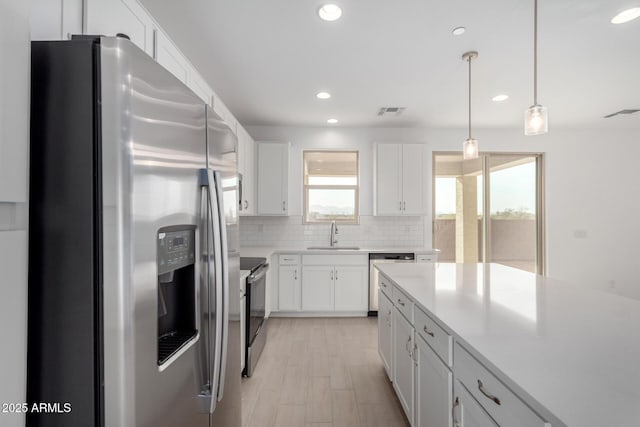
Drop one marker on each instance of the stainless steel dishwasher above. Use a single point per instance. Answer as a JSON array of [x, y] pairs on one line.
[[382, 258]]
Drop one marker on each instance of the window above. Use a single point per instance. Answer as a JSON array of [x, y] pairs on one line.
[[331, 186]]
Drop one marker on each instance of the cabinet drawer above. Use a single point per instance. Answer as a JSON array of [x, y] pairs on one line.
[[499, 402], [439, 340], [335, 260], [289, 259], [403, 303], [426, 258], [385, 285]]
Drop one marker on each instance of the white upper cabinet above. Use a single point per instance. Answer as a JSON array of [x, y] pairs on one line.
[[170, 57], [273, 178], [110, 17], [413, 179], [399, 184], [247, 168]]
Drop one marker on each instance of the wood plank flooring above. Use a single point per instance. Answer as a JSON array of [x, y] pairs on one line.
[[320, 372]]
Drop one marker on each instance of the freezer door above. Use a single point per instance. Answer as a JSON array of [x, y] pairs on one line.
[[153, 146], [223, 160]]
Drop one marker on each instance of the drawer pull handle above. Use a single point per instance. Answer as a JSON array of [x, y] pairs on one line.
[[427, 331], [487, 394], [384, 285], [400, 302], [456, 423]]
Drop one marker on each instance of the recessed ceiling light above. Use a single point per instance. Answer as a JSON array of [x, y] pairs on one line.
[[458, 31], [332, 121], [330, 12], [626, 16], [323, 95], [500, 98]]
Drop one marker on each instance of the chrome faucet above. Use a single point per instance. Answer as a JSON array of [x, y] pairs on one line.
[[334, 232]]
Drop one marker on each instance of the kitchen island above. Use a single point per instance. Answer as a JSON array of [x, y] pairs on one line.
[[519, 343]]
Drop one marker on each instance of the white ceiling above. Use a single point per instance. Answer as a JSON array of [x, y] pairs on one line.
[[267, 59]]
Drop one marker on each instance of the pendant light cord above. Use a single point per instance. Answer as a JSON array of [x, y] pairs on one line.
[[469, 59], [535, 52]]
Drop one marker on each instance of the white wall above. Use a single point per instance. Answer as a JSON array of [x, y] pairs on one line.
[[14, 140], [591, 192]]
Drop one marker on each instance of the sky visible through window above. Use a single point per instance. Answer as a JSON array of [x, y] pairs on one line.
[[512, 188]]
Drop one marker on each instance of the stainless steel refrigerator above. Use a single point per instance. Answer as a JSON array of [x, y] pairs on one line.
[[133, 250]]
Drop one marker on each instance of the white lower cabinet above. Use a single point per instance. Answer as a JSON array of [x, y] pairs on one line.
[[318, 288], [289, 288], [403, 363], [434, 388], [349, 293], [385, 325], [467, 412]]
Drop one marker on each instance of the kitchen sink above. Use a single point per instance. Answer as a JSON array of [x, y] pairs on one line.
[[334, 248]]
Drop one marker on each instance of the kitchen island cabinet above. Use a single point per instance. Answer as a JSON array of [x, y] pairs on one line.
[[527, 350]]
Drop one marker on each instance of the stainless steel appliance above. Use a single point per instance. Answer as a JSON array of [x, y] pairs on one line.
[[133, 252], [256, 323], [379, 258]]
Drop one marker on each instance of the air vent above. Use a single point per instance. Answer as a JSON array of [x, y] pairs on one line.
[[621, 112], [391, 111]]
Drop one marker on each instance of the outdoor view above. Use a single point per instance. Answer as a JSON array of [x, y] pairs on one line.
[[331, 186], [512, 227]]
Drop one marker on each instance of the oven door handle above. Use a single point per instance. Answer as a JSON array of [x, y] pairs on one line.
[[259, 274], [257, 331]]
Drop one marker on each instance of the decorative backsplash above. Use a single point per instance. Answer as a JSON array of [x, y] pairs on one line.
[[372, 232]]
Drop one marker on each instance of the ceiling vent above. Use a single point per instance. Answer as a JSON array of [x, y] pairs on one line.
[[391, 111], [621, 112]]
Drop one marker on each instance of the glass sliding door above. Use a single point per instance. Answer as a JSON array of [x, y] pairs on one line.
[[508, 187], [512, 226]]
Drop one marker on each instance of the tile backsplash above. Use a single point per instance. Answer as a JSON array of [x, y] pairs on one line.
[[372, 232]]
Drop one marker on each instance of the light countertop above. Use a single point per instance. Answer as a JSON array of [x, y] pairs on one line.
[[267, 251], [575, 351]]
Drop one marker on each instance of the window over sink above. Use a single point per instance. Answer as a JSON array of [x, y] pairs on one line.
[[331, 186]]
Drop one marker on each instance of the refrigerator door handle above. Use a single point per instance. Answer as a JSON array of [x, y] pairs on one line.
[[207, 394], [225, 282]]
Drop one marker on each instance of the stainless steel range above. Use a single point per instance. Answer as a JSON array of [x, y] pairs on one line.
[[256, 323]]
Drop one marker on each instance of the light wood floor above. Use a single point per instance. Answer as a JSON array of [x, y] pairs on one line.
[[320, 372]]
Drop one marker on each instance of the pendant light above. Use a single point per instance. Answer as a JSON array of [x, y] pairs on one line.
[[470, 146], [535, 117]]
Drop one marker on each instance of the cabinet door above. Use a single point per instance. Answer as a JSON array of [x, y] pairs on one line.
[[434, 388], [168, 55], [249, 182], [385, 344], [388, 184], [351, 288], [403, 364], [289, 288], [467, 412], [317, 288], [110, 17], [413, 179], [273, 175]]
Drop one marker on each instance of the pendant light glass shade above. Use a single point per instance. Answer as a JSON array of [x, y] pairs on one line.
[[470, 149], [536, 120]]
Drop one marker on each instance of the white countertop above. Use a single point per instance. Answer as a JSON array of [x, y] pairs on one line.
[[267, 251], [575, 351]]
